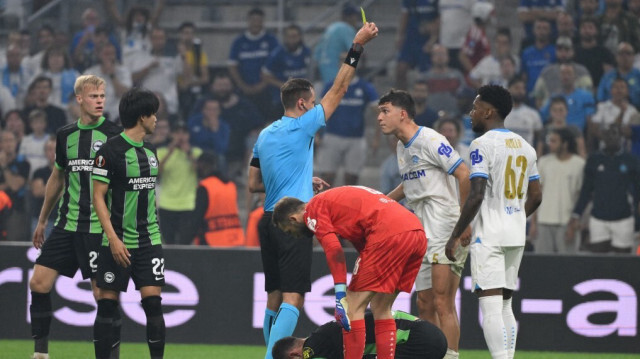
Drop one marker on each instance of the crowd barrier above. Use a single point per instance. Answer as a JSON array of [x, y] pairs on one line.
[[564, 303]]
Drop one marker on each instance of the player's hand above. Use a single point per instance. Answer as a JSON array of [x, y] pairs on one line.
[[465, 238], [319, 184], [366, 33], [38, 236], [450, 249], [120, 253], [342, 307]]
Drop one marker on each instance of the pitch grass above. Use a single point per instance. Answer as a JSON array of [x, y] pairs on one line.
[[22, 349]]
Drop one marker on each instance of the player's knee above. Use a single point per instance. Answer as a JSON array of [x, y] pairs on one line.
[[152, 306], [107, 308], [39, 284]]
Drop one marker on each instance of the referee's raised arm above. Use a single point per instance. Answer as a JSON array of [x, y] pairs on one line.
[[347, 71]]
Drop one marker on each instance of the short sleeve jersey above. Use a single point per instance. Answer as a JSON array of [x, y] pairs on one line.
[[76, 148], [426, 164], [508, 163], [348, 119], [358, 214], [250, 53], [285, 152], [285, 65], [131, 170]]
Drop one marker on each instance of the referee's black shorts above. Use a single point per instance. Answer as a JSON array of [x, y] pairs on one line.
[[286, 260], [66, 251]]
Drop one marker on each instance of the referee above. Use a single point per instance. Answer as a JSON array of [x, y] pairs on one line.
[[282, 165], [125, 173]]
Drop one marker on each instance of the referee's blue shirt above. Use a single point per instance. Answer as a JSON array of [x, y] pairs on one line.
[[285, 151]]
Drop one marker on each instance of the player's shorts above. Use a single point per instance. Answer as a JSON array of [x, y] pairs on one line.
[[146, 269], [66, 251], [286, 260], [334, 151], [390, 264], [425, 341], [495, 267], [619, 232]]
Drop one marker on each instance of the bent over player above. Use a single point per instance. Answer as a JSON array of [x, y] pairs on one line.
[[391, 244], [125, 173]]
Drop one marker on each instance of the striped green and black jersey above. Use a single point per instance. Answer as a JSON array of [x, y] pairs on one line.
[[76, 148], [131, 169]]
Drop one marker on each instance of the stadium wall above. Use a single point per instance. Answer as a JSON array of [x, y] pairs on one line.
[[565, 303]]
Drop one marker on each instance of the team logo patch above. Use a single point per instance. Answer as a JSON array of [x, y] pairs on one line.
[[109, 277], [415, 159], [476, 157], [311, 223], [153, 162], [444, 150], [307, 353], [97, 145], [100, 161]]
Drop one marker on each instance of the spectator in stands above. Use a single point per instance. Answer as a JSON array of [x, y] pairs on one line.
[[5, 214], [158, 70], [523, 120], [425, 116], [581, 103], [445, 83], [487, 71], [337, 39], [41, 88], [589, 8], [244, 121], [561, 173], [209, 132], [389, 170], [634, 126], [611, 177], [195, 67], [344, 144], [508, 71], [32, 145], [558, 110], [14, 122], [455, 21], [56, 65], [549, 83], [7, 102], [38, 184], [538, 55], [14, 173], [618, 25], [216, 216], [590, 53], [476, 45], [566, 26], [256, 212], [248, 55], [616, 111], [117, 79], [625, 70], [14, 76], [32, 64], [178, 180], [452, 130], [289, 60], [418, 32], [87, 41], [634, 8]]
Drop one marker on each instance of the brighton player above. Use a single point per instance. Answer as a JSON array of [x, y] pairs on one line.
[[391, 244], [429, 167], [505, 190]]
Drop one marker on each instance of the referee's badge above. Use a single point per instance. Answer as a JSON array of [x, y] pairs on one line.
[[153, 162]]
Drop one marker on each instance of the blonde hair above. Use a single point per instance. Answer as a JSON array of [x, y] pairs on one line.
[[87, 80]]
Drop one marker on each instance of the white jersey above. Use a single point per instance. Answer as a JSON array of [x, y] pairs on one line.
[[508, 163], [426, 163]]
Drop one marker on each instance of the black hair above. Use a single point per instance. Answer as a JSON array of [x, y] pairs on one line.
[[504, 31], [46, 27], [498, 97], [515, 80], [136, 103], [455, 123], [130, 15], [44, 64], [285, 208], [559, 99], [208, 158], [37, 80], [400, 98], [186, 24], [256, 11], [566, 136], [282, 347], [294, 27], [294, 89]]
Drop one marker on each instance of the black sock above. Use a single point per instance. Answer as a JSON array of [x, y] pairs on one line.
[[155, 325], [115, 334], [40, 310], [102, 328]]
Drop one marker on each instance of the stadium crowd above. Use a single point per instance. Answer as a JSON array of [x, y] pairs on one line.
[[574, 78]]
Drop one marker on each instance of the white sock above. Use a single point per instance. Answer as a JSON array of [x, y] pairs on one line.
[[511, 327], [493, 326], [451, 354]]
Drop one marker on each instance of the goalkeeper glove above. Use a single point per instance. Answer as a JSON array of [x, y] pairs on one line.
[[342, 307]]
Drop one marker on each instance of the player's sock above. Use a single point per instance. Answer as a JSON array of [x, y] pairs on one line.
[[283, 325], [102, 328], [155, 325], [353, 341], [511, 326], [40, 310], [493, 326], [115, 334], [451, 354], [386, 338], [269, 316]]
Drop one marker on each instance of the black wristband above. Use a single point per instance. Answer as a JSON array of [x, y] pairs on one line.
[[353, 57]]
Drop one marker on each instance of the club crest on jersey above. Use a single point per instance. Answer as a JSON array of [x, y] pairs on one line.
[[109, 277], [153, 162], [97, 144], [100, 161], [311, 223], [475, 156], [415, 159], [444, 150]]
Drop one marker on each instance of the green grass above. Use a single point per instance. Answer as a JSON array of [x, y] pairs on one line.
[[22, 349]]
